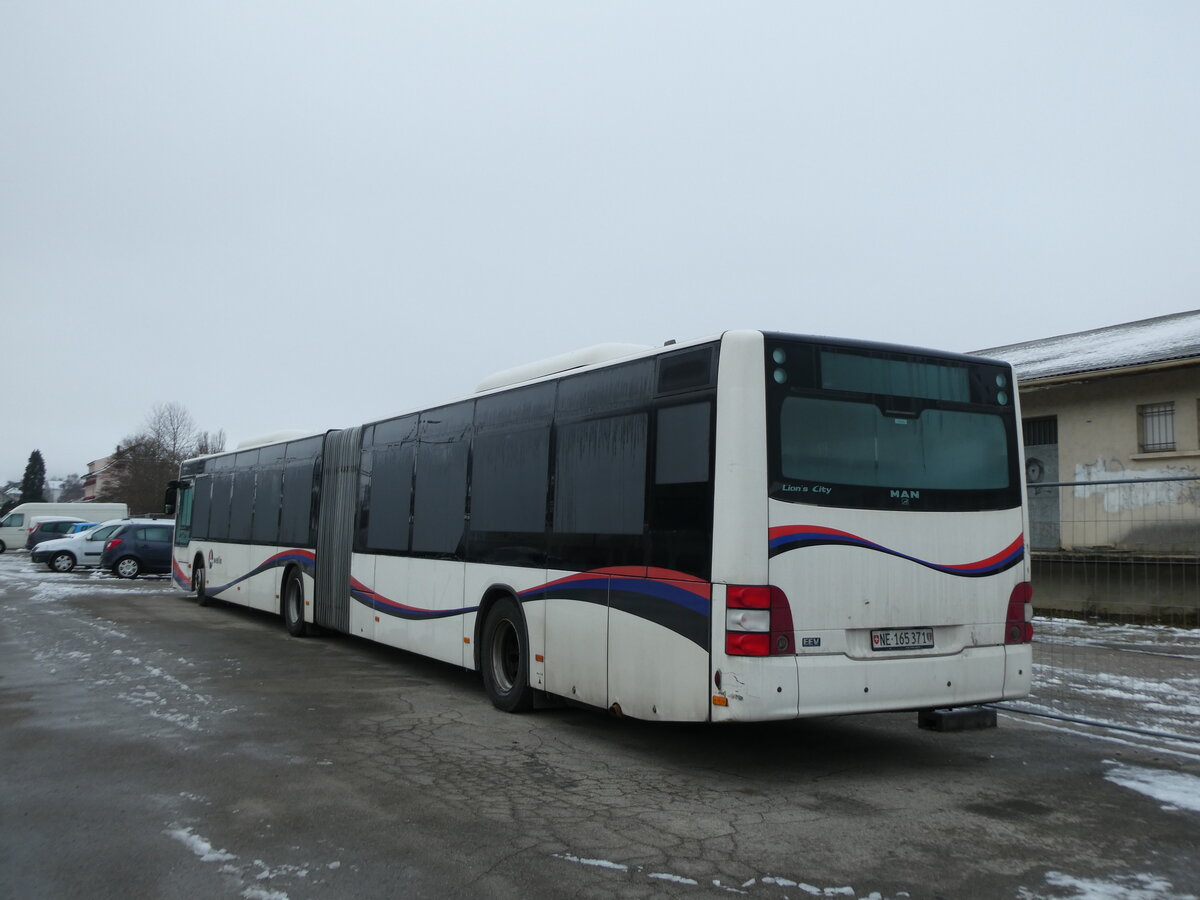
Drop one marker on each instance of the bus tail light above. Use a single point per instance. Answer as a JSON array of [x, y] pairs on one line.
[[758, 621], [1018, 626]]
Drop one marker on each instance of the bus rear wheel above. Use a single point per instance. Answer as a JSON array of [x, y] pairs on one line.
[[504, 657], [293, 604]]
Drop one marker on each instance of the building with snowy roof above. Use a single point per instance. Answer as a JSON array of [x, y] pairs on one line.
[[1112, 442]]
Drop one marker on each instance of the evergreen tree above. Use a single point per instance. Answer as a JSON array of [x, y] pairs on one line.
[[34, 483]]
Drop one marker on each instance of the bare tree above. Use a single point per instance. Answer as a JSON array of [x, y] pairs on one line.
[[171, 428], [209, 442], [144, 462], [72, 489]]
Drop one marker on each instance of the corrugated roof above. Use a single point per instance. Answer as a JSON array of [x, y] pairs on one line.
[[1141, 343]]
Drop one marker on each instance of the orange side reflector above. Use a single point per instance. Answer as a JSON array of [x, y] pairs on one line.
[[466, 640], [539, 657], [377, 618], [720, 701]]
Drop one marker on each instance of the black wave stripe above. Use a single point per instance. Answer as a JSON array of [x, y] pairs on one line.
[[683, 621]]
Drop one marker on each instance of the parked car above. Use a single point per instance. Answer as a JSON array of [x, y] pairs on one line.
[[81, 549], [138, 547], [48, 528]]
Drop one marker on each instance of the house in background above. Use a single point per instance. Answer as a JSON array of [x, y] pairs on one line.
[[1112, 448], [99, 472]]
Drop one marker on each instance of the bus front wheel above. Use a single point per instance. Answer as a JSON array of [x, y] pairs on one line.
[[200, 582], [505, 657], [293, 604]]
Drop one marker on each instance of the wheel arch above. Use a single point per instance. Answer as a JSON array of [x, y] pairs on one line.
[[288, 570], [491, 597]]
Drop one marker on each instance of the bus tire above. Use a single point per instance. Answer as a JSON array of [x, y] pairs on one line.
[[505, 657], [200, 582], [293, 604]]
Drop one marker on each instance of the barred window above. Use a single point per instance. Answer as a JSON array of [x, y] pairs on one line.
[[1040, 431], [1156, 427]]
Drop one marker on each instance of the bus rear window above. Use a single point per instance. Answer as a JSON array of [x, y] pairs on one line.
[[853, 443], [882, 427], [903, 378]]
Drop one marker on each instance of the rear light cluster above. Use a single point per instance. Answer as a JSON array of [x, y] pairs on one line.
[[113, 543], [1018, 626], [758, 621]]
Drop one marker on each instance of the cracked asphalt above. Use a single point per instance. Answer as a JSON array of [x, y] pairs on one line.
[[153, 748]]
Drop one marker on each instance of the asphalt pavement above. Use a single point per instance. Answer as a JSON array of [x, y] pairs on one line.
[[153, 748]]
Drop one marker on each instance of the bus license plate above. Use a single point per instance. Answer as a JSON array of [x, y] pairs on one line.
[[901, 638]]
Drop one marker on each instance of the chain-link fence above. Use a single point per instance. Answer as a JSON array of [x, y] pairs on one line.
[[1116, 576]]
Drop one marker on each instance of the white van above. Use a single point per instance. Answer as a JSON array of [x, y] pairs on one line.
[[14, 527]]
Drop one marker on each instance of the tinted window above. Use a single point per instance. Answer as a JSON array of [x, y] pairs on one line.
[[268, 496], [510, 468], [685, 371], [388, 472], [620, 388], [201, 504], [309, 448], [846, 371], [393, 431], [218, 516], [857, 444], [220, 464], [272, 453], [509, 476], [296, 516], [242, 505], [247, 459], [601, 476], [874, 427], [439, 507], [512, 409], [683, 441]]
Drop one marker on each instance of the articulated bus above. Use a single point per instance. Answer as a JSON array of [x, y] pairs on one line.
[[751, 527]]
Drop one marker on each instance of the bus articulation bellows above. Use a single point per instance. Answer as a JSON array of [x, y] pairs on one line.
[[750, 527]]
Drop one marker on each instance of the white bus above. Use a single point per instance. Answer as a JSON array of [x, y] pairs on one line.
[[755, 526]]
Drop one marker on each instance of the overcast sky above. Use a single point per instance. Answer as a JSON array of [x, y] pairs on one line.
[[292, 215]]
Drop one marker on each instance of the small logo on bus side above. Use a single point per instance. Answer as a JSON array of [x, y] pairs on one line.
[[213, 560]]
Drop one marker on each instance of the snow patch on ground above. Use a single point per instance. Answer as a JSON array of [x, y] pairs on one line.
[[250, 879], [769, 880], [1174, 790], [199, 846], [1060, 886], [598, 863]]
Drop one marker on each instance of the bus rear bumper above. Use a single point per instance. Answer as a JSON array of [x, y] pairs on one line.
[[757, 689]]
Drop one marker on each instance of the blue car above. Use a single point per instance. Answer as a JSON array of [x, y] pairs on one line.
[[139, 548]]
